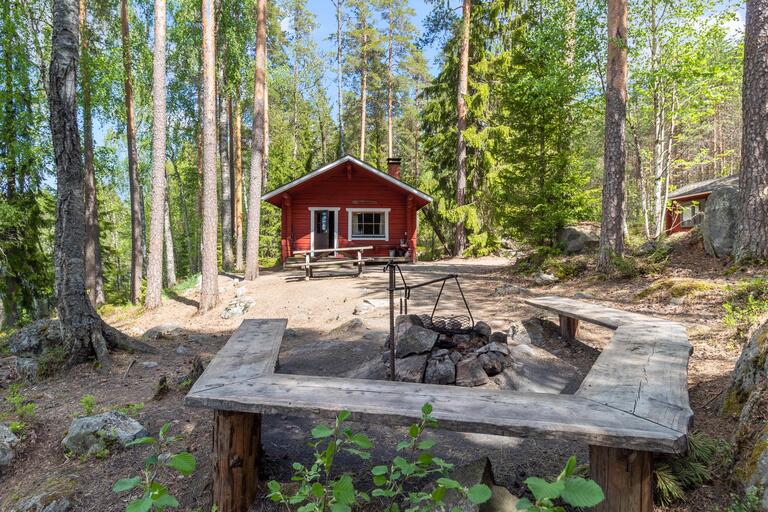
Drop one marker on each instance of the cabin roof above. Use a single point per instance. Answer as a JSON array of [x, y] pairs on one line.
[[704, 187], [347, 158]]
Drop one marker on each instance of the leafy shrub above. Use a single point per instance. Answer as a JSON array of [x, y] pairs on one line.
[[320, 491], [629, 267], [132, 410], [745, 303], [568, 487], [88, 405], [155, 495], [675, 475]]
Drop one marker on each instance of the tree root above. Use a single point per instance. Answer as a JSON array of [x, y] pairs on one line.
[[119, 340]]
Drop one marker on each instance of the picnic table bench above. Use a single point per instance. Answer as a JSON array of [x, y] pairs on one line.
[[633, 402], [312, 261]]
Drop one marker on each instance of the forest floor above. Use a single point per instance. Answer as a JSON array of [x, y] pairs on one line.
[[325, 337]]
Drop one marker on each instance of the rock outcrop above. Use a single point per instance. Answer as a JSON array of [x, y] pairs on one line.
[[93, 434], [719, 225], [579, 238]]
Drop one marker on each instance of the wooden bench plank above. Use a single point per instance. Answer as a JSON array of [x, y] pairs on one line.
[[251, 352], [483, 411], [337, 249], [592, 313], [644, 371], [324, 263]]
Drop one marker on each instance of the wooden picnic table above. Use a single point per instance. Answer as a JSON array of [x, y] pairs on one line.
[[312, 261], [632, 403]]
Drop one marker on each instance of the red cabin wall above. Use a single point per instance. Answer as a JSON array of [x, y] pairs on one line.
[[345, 188], [673, 219]]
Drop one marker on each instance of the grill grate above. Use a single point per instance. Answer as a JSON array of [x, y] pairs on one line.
[[460, 324]]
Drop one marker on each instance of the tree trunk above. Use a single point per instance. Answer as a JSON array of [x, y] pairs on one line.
[[170, 257], [83, 331], [209, 288], [137, 242], [227, 255], [752, 232], [363, 91], [94, 278], [390, 85], [611, 227], [185, 217], [295, 92], [265, 162], [340, 73], [237, 158], [158, 211], [257, 145], [461, 125]]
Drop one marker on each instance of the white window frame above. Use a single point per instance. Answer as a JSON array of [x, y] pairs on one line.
[[312, 210], [352, 211]]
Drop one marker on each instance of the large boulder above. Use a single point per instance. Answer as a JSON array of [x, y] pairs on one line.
[[719, 225], [579, 238], [8, 442], [410, 369], [470, 373], [53, 495], [535, 370], [92, 434], [39, 349], [440, 370]]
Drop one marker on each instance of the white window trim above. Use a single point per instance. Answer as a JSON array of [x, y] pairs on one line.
[[312, 210], [352, 211]]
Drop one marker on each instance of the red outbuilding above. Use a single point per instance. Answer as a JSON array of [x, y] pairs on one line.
[[350, 203]]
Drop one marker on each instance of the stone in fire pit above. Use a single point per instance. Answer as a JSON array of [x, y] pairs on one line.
[[479, 358]]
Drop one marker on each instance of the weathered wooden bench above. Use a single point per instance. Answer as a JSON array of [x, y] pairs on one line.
[[312, 261], [633, 402]]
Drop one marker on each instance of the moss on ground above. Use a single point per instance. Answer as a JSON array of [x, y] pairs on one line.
[[677, 287]]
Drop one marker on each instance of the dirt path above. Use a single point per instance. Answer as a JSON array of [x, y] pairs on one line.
[[325, 337]]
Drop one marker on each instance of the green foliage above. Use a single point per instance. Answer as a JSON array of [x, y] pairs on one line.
[[88, 405], [568, 487], [676, 287], [745, 303], [24, 408], [750, 502], [154, 494], [319, 490], [673, 476], [132, 409]]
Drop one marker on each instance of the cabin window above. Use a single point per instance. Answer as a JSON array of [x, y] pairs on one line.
[[368, 224], [692, 214]]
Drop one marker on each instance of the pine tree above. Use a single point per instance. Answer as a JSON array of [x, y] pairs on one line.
[[209, 288], [614, 199], [461, 125], [158, 212]]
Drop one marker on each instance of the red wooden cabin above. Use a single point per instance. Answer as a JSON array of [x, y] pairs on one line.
[[350, 203], [687, 205]]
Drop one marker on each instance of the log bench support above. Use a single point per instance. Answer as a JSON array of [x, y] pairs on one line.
[[569, 327], [625, 476], [237, 456]]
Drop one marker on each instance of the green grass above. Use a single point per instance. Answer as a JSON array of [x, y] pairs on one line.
[[182, 286]]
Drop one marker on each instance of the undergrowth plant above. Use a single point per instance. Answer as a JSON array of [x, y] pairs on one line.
[[745, 303], [88, 405], [154, 494], [24, 408], [673, 476], [320, 490], [749, 503], [569, 487]]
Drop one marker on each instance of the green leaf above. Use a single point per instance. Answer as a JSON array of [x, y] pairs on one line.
[[343, 490], [362, 441], [338, 507], [426, 444], [448, 483], [570, 466], [403, 445], [274, 486], [479, 493], [164, 430], [438, 494], [141, 440], [321, 432], [524, 504], [343, 416], [582, 493], [183, 462], [360, 453], [142, 505], [414, 431], [426, 409], [542, 489], [379, 470], [317, 490], [166, 501], [379, 480], [126, 484]]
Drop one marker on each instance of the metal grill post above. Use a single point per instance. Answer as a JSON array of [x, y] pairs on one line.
[[391, 266]]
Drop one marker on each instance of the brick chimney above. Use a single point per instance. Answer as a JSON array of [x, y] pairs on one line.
[[393, 167]]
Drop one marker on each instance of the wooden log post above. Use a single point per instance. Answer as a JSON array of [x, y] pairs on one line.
[[625, 477], [307, 268], [237, 460], [569, 327], [359, 262]]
